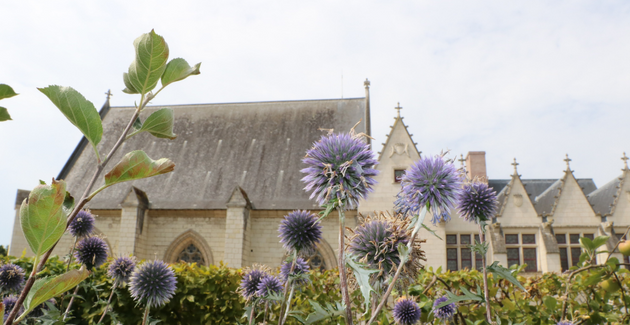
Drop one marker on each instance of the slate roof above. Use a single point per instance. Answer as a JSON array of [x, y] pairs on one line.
[[603, 199], [257, 146]]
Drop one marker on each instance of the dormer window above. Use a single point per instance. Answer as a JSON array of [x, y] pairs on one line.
[[398, 174]]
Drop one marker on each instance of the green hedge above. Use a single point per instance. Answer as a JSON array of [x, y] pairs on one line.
[[207, 295]]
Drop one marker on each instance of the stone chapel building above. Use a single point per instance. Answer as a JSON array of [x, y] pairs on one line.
[[238, 174]]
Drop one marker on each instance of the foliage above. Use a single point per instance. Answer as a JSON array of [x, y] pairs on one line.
[[5, 92]]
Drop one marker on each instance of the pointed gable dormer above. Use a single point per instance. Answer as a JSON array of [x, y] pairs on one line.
[[398, 153], [566, 202], [613, 199], [516, 208]]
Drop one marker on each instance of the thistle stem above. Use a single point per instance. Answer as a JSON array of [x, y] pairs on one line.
[[286, 289], [485, 277], [108, 302], [146, 315], [65, 315], [342, 267], [251, 314], [284, 318]]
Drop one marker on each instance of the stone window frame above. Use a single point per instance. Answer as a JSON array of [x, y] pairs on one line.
[[458, 246], [570, 246], [522, 245], [184, 240], [398, 169]]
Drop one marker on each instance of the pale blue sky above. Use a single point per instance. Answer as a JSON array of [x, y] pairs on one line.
[[532, 80]]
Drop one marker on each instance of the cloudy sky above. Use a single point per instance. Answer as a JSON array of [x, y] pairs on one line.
[[529, 79]]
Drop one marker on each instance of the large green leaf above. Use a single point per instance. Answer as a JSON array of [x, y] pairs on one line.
[[455, 298], [178, 69], [499, 270], [324, 312], [6, 91], [160, 124], [4, 114], [148, 66], [362, 275], [137, 165], [78, 110], [46, 288], [43, 218], [600, 241]]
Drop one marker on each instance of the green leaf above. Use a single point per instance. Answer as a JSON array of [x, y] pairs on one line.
[[550, 302], [599, 241], [68, 203], [178, 69], [149, 64], [78, 110], [160, 124], [43, 218], [362, 275], [324, 312], [137, 124], [499, 270], [587, 244], [4, 114], [137, 165], [431, 231], [6, 91], [593, 279], [46, 288], [455, 298]]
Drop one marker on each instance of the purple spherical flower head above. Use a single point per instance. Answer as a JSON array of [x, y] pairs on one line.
[[300, 267], [300, 230], [431, 182], [444, 312], [269, 285], [11, 277], [340, 166], [564, 323], [376, 242], [250, 282], [121, 269], [153, 283], [82, 225], [91, 252], [9, 304], [477, 202], [406, 312]]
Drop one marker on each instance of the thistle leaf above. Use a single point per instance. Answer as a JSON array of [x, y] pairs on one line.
[[149, 64], [500, 271], [6, 91], [321, 312], [431, 231], [78, 110], [46, 288], [178, 69], [4, 114], [160, 124], [43, 218], [137, 165], [455, 298], [362, 274]]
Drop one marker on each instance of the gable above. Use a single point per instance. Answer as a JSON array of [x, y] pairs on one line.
[[572, 206], [517, 208]]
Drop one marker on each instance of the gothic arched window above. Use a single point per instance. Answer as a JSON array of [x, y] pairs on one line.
[[316, 262], [191, 254]]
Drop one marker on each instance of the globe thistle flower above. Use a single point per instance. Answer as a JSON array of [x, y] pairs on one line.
[[433, 183], [477, 202], [299, 231], [406, 312], [340, 166], [300, 267], [251, 280], [9, 304], [375, 242], [91, 252], [269, 285], [82, 225], [444, 312], [11, 277], [153, 283], [121, 269], [564, 323]]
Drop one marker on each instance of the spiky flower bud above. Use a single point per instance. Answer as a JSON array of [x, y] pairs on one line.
[[340, 166], [121, 269], [91, 252], [250, 282], [431, 182], [300, 267], [406, 312], [477, 202], [153, 283], [11, 277], [444, 312], [82, 225], [299, 231], [269, 285], [9, 304]]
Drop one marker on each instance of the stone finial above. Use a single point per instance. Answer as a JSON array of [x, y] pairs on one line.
[[625, 161], [567, 160], [366, 83], [515, 164], [109, 93], [398, 108], [461, 159]]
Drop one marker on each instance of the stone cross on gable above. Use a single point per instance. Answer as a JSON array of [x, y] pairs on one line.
[[567, 159], [398, 108], [461, 159], [515, 164], [109, 94], [625, 161]]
